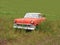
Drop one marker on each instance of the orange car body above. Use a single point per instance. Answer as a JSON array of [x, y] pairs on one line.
[[29, 20], [33, 21]]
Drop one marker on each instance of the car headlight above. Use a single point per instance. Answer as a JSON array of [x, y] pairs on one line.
[[15, 21], [32, 22]]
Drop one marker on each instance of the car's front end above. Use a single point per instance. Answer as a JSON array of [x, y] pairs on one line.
[[24, 26]]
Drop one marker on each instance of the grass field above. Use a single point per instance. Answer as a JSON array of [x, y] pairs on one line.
[[49, 32]]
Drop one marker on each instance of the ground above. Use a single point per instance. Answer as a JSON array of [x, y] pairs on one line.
[[48, 32]]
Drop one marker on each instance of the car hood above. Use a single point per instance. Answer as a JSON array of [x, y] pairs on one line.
[[25, 20]]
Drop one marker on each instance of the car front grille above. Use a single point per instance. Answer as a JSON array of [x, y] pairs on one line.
[[24, 25]]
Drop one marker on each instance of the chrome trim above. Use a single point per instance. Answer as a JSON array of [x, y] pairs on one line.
[[21, 27]]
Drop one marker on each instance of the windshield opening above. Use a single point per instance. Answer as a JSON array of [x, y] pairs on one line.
[[32, 16]]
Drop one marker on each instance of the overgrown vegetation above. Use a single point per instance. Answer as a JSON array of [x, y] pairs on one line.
[[48, 33]]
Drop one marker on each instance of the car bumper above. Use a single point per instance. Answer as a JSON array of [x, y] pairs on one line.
[[28, 28]]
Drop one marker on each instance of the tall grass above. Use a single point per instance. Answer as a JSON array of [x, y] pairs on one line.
[[48, 33]]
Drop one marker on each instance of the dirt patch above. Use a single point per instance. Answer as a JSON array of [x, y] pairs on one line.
[[3, 42]]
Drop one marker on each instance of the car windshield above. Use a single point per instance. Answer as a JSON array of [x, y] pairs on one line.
[[32, 16]]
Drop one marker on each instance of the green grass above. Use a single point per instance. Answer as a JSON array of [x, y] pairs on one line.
[[48, 32]]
